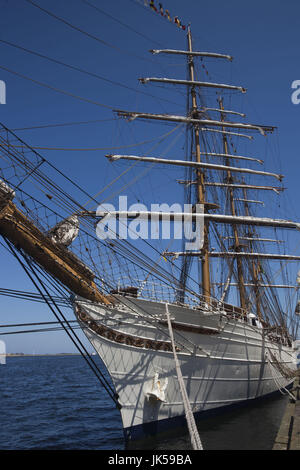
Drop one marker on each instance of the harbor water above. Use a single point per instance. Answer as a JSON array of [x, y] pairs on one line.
[[56, 403]]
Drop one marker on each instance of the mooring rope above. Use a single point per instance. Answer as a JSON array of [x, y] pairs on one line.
[[194, 435], [274, 366]]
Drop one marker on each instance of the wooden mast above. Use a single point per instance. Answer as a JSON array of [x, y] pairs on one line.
[[255, 269], [200, 180], [237, 245]]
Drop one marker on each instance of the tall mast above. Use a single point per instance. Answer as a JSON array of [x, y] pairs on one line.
[[237, 246], [200, 179]]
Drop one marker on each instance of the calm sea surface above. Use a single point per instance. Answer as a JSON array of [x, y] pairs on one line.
[[55, 402]]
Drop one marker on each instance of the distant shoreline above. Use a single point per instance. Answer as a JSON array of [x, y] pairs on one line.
[[40, 355]]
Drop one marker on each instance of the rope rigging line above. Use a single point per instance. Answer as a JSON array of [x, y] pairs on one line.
[[79, 69], [107, 288], [129, 251], [48, 126], [269, 296], [137, 254], [284, 372], [58, 90], [35, 323], [91, 36], [160, 138], [38, 330], [121, 23], [64, 302], [162, 13], [147, 169]]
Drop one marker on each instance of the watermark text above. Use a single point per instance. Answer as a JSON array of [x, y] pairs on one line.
[[2, 92], [162, 221], [296, 94]]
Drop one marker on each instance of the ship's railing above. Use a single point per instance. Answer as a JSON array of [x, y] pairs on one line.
[[160, 292]]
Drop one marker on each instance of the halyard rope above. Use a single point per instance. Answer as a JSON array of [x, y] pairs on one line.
[[276, 379]]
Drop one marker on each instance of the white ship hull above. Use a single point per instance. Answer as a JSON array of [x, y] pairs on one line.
[[224, 360]]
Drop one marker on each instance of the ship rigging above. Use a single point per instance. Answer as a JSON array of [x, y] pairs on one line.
[[160, 329]]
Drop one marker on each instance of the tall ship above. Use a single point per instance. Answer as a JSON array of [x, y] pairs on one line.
[[191, 304]]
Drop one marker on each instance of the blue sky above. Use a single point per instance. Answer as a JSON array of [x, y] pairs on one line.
[[263, 38]]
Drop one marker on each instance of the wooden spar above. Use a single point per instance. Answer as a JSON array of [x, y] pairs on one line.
[[192, 53], [56, 260], [237, 246], [194, 120], [205, 268], [192, 83], [228, 185], [209, 166]]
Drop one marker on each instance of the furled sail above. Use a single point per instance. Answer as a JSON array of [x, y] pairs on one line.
[[65, 232]]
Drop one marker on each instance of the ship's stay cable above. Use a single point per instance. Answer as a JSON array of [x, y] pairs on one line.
[[130, 28], [56, 301], [81, 70], [145, 5], [17, 325], [147, 169], [58, 313], [85, 33], [194, 435], [38, 330]]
